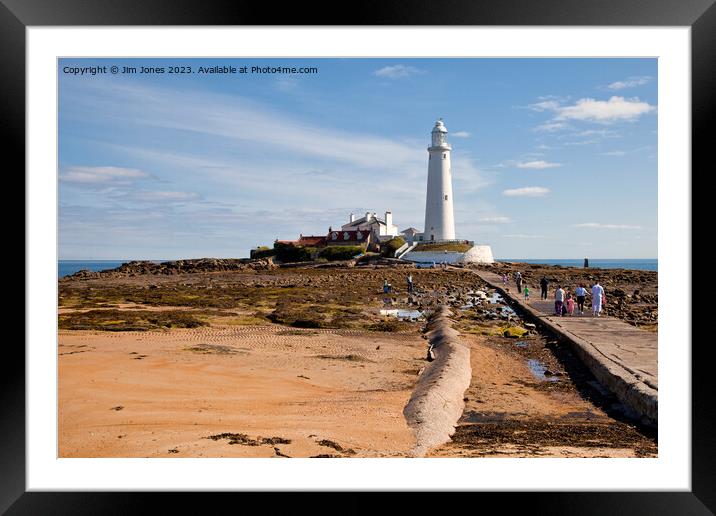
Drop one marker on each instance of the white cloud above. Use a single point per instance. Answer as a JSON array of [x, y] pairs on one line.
[[615, 153], [604, 133], [631, 82], [550, 127], [495, 220], [527, 191], [591, 110], [164, 196], [545, 105], [538, 164], [616, 108], [101, 175], [605, 226], [460, 134], [397, 71], [239, 119]]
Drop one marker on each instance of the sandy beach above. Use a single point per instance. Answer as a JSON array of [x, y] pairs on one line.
[[308, 392]]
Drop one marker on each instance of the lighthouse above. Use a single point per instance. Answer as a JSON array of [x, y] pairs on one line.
[[439, 218]]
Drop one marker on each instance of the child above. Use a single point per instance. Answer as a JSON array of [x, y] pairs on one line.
[[527, 292], [570, 304]]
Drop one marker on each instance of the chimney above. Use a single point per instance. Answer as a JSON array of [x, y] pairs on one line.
[[367, 216], [389, 219], [353, 218]]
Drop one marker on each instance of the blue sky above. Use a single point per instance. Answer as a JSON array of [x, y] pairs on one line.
[[552, 158]]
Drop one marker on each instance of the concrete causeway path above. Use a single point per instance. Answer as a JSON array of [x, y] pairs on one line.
[[621, 356]]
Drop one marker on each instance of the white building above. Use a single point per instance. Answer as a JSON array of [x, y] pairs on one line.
[[382, 229], [439, 217], [411, 235]]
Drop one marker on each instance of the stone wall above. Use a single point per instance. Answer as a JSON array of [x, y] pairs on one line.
[[477, 254]]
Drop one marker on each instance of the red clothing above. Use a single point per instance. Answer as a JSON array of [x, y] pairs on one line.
[[570, 305]]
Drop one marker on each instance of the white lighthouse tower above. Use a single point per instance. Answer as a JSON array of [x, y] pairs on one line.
[[439, 218]]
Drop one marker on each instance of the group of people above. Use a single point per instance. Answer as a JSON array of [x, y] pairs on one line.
[[564, 301], [388, 288]]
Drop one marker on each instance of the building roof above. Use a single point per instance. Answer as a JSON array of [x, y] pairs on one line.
[[311, 240], [410, 230], [347, 236], [361, 222]]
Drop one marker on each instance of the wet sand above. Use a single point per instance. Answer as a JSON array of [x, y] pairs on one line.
[[514, 410]]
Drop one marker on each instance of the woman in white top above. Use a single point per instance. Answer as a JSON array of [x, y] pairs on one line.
[[558, 300], [597, 294]]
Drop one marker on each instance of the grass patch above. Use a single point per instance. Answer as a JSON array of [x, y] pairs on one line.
[[514, 332], [333, 253], [135, 320], [245, 320], [391, 326], [447, 246], [388, 248], [308, 315]]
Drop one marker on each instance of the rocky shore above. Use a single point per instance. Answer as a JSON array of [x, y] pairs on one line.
[[199, 265], [632, 295]]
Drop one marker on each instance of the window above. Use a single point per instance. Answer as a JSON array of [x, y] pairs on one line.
[[444, 155], [446, 197]]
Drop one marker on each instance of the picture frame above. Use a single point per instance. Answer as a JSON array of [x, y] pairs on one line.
[[700, 15]]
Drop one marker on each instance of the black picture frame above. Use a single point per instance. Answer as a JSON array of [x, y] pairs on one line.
[[17, 15]]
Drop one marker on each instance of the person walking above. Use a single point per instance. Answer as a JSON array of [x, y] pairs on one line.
[[544, 285], [558, 300], [518, 281], [581, 294], [604, 302], [386, 286], [527, 292], [570, 304], [410, 283], [597, 296], [505, 279]]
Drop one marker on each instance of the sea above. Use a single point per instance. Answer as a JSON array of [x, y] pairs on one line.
[[67, 267], [642, 264]]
